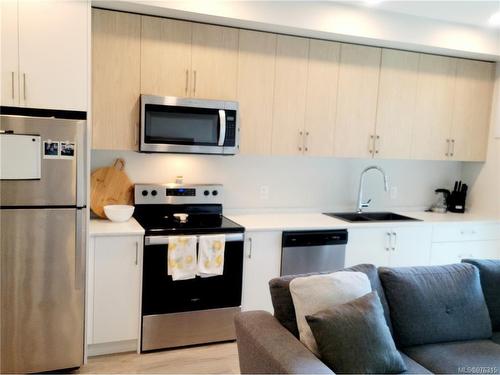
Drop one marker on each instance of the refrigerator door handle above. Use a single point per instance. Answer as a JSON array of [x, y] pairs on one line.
[[81, 165], [80, 249]]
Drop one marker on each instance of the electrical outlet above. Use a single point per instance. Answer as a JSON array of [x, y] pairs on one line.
[[264, 192], [394, 192]]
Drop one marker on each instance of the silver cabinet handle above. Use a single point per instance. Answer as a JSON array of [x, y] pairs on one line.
[[187, 81], [452, 147], [194, 82], [447, 147], [12, 76], [301, 140], [376, 143], [388, 247], [306, 139], [395, 243], [250, 246], [136, 253], [24, 86]]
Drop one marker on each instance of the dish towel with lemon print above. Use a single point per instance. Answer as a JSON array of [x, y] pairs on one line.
[[182, 257], [211, 255]]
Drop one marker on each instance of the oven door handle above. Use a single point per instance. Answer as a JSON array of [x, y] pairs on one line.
[[222, 134], [163, 240]]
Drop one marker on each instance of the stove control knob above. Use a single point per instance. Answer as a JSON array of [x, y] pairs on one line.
[[154, 193], [144, 193], [206, 192], [215, 192]]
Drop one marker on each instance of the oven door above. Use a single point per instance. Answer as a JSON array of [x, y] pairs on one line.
[[162, 295], [177, 125]]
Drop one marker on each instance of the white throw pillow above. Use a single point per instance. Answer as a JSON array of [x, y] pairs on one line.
[[315, 293]]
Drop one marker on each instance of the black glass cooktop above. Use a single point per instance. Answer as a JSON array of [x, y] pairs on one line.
[[201, 219]]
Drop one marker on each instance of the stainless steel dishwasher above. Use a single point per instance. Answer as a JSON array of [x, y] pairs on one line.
[[313, 251]]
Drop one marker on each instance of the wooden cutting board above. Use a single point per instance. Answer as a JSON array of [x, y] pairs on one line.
[[110, 185]]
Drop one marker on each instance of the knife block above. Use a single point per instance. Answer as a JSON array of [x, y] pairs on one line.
[[456, 201]]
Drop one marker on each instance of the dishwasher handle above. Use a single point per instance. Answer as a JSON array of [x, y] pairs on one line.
[[314, 238]]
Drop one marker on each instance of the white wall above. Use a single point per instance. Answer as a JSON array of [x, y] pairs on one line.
[[297, 183], [330, 20]]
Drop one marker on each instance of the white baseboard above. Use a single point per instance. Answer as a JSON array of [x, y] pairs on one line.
[[111, 347]]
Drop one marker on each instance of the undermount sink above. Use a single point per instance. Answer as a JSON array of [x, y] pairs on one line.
[[354, 217]]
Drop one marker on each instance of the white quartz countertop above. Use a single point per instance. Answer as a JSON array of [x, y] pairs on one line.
[[318, 221], [102, 227]]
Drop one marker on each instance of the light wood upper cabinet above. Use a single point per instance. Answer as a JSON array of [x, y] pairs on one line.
[[165, 57], [9, 54], [115, 79], [396, 103], [471, 116], [45, 54], [321, 97], [357, 100], [257, 56], [290, 95], [214, 62], [434, 107]]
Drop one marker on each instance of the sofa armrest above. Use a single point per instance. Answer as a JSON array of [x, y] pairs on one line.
[[266, 347]]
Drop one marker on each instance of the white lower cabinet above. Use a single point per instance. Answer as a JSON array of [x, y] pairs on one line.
[[453, 242], [454, 252], [262, 262], [386, 246], [113, 293]]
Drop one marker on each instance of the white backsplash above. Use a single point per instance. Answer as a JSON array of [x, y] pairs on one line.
[[293, 182]]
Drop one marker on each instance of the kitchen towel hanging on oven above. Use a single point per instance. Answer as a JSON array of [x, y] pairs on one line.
[[182, 257], [211, 255]]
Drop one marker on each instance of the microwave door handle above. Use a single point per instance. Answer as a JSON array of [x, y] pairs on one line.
[[222, 134]]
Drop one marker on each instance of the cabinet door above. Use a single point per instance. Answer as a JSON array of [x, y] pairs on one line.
[[165, 56], [434, 107], [321, 98], [257, 57], [411, 246], [357, 100], [215, 62], [116, 302], [261, 264], [486, 250], [471, 116], [10, 53], [396, 103], [115, 80], [448, 253], [370, 245], [53, 54], [290, 95]]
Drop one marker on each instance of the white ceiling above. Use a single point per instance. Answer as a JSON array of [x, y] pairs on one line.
[[470, 12]]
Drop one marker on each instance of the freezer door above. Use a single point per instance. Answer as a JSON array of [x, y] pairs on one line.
[[62, 181], [42, 289]]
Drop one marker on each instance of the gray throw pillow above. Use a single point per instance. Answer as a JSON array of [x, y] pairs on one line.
[[354, 338]]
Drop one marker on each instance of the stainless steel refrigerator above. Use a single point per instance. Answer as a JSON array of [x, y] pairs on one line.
[[42, 243]]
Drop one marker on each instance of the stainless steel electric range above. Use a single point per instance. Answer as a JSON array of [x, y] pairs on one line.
[[195, 311]]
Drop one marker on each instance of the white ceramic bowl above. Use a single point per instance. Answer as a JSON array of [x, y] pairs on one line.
[[118, 213]]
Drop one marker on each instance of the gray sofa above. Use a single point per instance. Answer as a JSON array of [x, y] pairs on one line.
[[440, 318]]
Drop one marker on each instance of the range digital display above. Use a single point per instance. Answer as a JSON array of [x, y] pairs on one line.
[[181, 192]]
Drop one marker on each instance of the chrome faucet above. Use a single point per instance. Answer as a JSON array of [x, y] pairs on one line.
[[362, 205]]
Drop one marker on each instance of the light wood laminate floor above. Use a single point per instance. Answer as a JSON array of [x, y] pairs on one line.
[[206, 359]]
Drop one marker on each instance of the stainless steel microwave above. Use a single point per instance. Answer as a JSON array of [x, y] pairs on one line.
[[192, 126]]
